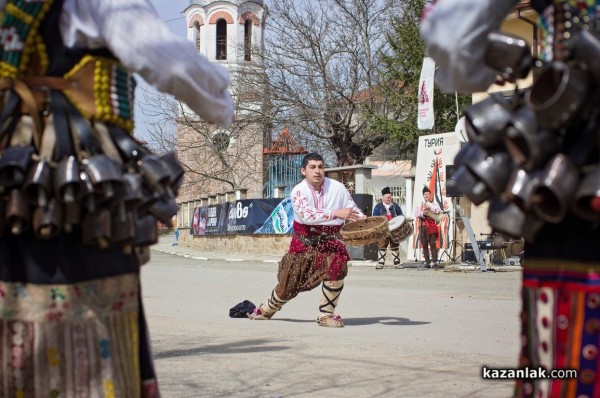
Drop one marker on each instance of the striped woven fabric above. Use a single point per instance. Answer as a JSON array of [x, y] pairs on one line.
[[71, 340], [561, 326]]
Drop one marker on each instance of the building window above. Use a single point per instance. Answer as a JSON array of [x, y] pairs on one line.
[[248, 40], [221, 40], [221, 140], [197, 35]]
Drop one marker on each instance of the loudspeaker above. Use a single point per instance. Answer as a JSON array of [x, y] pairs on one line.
[[468, 255], [369, 252], [452, 190], [364, 202]]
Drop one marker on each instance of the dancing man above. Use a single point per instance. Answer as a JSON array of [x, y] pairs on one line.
[[316, 256]]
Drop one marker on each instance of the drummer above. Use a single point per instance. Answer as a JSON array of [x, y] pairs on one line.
[[316, 256], [388, 209]]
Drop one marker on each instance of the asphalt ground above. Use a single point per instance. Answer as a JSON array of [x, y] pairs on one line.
[[408, 333]]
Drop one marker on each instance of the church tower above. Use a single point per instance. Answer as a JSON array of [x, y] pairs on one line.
[[218, 161], [229, 32]]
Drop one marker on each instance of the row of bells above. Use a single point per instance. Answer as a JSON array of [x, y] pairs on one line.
[[111, 204], [535, 156]]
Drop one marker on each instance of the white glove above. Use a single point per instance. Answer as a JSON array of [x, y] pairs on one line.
[[455, 34]]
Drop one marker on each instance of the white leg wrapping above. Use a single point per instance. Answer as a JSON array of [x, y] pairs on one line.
[[396, 255], [330, 295], [271, 305], [381, 256]]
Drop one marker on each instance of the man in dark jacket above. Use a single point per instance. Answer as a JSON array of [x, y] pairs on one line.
[[389, 209]]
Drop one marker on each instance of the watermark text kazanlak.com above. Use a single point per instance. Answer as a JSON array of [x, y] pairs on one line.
[[528, 373]]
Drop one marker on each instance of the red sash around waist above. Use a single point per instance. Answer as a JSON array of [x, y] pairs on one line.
[[328, 245]]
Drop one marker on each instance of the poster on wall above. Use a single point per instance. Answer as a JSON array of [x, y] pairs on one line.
[[434, 153], [248, 216], [199, 220], [216, 221]]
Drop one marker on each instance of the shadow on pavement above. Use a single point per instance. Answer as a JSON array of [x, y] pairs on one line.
[[248, 346], [385, 320]]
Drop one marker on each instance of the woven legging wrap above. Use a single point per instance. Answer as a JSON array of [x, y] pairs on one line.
[[271, 305], [382, 253], [330, 295]]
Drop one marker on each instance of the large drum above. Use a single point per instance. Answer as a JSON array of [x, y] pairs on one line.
[[400, 228], [437, 217], [363, 232]]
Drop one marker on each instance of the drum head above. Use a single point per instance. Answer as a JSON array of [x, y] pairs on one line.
[[363, 232], [396, 222]]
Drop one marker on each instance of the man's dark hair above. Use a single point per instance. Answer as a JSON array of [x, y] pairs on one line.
[[309, 157]]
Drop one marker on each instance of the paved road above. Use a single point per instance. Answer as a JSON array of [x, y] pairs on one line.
[[408, 333]]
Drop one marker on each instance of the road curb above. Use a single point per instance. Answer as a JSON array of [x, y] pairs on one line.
[[351, 263], [203, 258]]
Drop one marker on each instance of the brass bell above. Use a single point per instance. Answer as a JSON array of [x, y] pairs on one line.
[[486, 120], [146, 231], [122, 227], [17, 212], [96, 228], [557, 94], [106, 178], [587, 196], [174, 168], [509, 55], [551, 198], [67, 183], [14, 163], [47, 221], [37, 185], [529, 147]]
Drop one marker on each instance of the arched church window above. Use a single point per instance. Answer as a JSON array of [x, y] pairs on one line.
[[221, 40], [197, 35], [248, 40]]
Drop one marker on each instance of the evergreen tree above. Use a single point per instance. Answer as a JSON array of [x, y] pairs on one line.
[[400, 86]]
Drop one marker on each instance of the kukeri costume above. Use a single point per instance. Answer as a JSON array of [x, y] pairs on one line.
[[550, 196], [79, 197], [315, 255]]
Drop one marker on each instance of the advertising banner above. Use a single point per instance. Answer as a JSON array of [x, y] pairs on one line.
[[247, 216], [210, 220], [280, 220]]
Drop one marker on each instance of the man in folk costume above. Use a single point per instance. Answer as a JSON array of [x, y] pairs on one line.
[[388, 209], [428, 228], [316, 256], [79, 196]]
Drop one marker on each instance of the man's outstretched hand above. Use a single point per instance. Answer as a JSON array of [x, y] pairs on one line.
[[348, 214]]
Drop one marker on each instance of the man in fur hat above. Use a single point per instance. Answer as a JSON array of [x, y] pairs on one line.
[[389, 209], [428, 229]]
